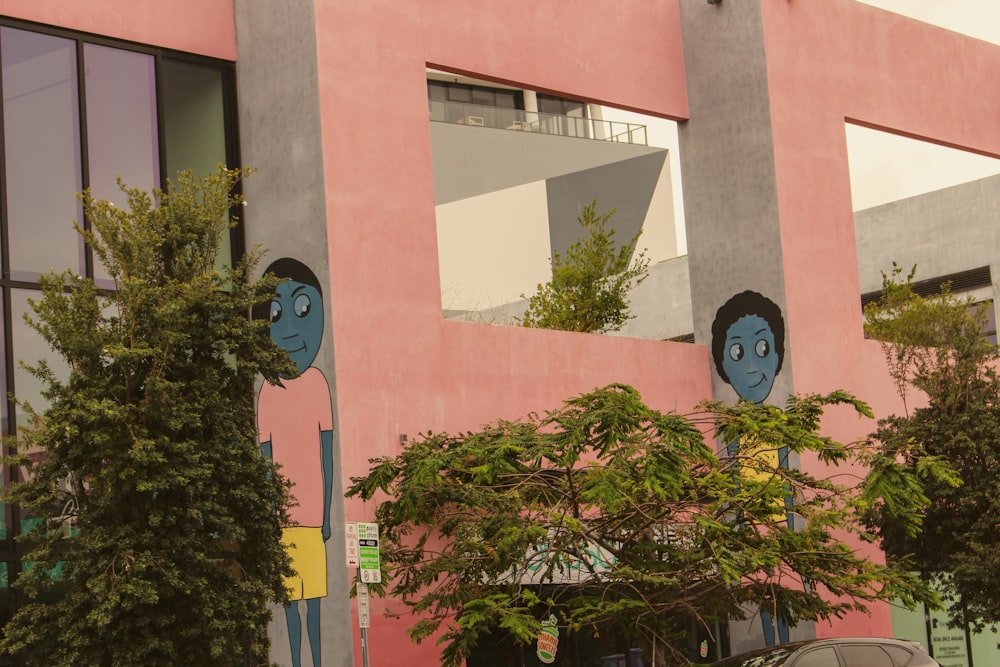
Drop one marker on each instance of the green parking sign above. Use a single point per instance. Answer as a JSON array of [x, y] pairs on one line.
[[368, 556]]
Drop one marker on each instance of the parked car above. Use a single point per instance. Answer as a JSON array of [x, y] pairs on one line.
[[840, 652]]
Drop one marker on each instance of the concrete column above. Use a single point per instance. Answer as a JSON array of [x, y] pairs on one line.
[[279, 115], [727, 162], [732, 219]]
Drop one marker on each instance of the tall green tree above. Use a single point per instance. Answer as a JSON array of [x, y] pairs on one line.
[[948, 437], [156, 520], [619, 519], [590, 285]]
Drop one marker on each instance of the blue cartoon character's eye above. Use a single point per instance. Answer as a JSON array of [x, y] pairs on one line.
[[302, 305], [275, 311], [736, 352], [762, 349]]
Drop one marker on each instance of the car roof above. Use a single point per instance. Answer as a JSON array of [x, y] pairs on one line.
[[779, 651]]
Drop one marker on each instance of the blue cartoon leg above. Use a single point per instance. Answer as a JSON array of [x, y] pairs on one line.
[[294, 632], [312, 627], [767, 625]]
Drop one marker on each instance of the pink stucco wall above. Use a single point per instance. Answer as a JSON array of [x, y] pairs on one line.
[[205, 27], [400, 367], [827, 62]]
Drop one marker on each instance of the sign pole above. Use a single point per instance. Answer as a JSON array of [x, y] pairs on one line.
[[363, 616], [363, 554]]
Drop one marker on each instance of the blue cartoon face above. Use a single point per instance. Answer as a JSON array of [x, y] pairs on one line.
[[297, 322], [749, 358]]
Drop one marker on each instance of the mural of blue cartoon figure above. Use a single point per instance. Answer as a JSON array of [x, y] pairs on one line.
[[748, 344], [295, 423], [748, 348]]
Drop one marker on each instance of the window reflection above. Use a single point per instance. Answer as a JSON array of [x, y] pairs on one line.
[[29, 348], [194, 124], [58, 137], [42, 150], [6, 511], [121, 123]]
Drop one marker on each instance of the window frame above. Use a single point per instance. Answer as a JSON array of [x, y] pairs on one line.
[[11, 550]]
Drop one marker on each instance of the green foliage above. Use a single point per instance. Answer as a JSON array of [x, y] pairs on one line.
[[148, 450], [590, 285], [950, 443], [627, 509]]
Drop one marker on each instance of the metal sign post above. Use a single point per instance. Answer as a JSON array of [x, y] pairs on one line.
[[364, 617], [363, 554]]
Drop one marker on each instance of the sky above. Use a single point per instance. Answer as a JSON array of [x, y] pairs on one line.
[[976, 18]]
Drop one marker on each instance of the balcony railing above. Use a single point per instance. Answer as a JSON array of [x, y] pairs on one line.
[[536, 121]]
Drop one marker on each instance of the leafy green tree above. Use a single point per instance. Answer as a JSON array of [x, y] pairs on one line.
[[621, 520], [156, 537], [590, 285], [937, 352]]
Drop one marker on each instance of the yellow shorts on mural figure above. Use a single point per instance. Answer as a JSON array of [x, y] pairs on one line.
[[308, 553]]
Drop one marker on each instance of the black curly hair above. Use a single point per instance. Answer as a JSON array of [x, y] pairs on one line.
[[740, 305], [293, 269]]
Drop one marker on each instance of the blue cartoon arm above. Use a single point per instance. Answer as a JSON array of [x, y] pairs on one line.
[[265, 449], [326, 456]]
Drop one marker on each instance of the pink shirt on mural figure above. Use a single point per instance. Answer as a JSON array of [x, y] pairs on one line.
[[291, 416]]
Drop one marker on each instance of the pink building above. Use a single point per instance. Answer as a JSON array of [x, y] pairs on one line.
[[329, 99]]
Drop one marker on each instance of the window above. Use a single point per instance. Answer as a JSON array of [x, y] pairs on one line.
[[41, 151], [973, 283], [468, 104], [505, 201], [900, 656], [506, 98], [77, 112], [990, 326], [857, 655], [561, 106], [821, 657]]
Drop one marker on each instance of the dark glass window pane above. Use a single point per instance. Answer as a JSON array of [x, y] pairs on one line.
[[42, 149], [6, 605], [549, 104], [5, 571], [121, 122], [865, 656], [571, 108], [483, 97], [821, 657], [436, 90], [193, 119], [900, 656], [505, 99], [460, 93], [6, 515], [990, 327], [194, 123], [29, 347]]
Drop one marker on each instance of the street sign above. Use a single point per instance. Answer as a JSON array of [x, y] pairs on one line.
[[364, 616], [351, 535], [368, 555]]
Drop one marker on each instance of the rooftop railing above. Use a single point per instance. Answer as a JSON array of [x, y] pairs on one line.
[[536, 121]]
